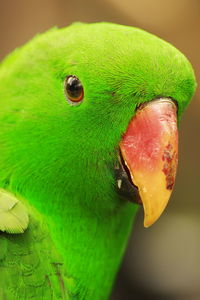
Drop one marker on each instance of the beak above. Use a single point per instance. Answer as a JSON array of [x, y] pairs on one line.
[[149, 149]]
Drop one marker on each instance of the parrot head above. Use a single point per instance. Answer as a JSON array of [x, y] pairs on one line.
[[95, 116]]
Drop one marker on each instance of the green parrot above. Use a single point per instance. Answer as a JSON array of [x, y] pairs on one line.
[[88, 130]]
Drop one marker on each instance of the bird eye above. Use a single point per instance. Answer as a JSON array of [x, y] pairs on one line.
[[73, 89]]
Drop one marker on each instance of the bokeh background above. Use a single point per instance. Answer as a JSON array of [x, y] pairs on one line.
[[162, 262]]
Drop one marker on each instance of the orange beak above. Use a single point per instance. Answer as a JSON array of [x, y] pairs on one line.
[[150, 151]]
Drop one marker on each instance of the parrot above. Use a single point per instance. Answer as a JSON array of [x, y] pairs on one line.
[[88, 134]]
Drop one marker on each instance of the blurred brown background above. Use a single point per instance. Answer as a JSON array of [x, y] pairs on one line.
[[162, 262]]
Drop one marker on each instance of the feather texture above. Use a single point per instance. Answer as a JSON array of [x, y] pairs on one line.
[[30, 265], [13, 214]]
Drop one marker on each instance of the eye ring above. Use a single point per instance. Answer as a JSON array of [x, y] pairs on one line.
[[73, 89]]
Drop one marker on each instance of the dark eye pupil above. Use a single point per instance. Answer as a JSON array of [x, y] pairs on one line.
[[74, 87]]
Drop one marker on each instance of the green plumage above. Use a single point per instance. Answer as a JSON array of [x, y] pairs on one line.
[[13, 215], [30, 265], [61, 158]]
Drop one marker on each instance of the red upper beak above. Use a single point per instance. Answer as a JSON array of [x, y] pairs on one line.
[[150, 150]]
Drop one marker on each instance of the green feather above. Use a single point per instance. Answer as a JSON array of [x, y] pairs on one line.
[[13, 215], [60, 158], [30, 265]]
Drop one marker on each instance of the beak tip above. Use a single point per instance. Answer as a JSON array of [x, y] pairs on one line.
[[151, 217], [148, 222]]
